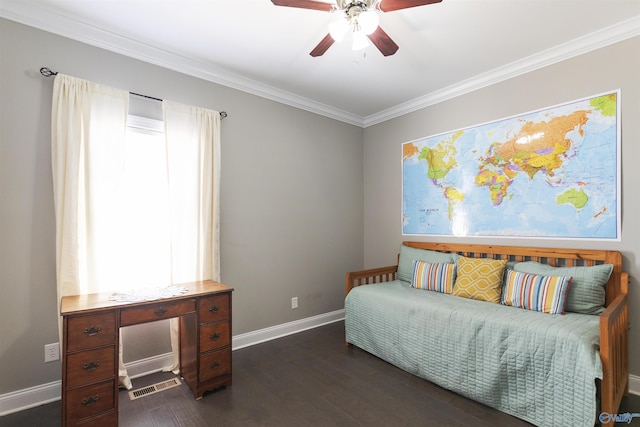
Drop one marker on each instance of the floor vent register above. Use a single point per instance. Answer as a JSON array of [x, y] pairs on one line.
[[154, 388]]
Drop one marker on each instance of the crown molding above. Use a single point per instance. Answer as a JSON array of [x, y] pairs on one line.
[[47, 20], [65, 26], [596, 40]]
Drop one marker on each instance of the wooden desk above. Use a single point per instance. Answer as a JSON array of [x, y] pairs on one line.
[[90, 346]]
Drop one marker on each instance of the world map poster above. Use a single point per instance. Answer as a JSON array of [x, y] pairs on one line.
[[551, 173]]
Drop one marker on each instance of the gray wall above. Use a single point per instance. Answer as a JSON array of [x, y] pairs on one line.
[[609, 68], [292, 200]]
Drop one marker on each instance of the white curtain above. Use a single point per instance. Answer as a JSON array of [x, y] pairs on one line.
[[88, 130], [193, 156], [88, 133], [91, 194]]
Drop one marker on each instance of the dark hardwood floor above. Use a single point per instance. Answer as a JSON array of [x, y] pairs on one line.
[[306, 379]]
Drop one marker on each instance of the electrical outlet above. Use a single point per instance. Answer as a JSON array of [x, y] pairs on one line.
[[51, 352], [294, 303]]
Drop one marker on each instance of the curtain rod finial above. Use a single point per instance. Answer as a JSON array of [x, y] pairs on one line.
[[45, 71]]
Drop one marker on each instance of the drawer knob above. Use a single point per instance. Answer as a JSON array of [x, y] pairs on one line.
[[214, 309], [214, 336], [160, 311], [92, 330], [90, 401], [91, 366], [214, 365]]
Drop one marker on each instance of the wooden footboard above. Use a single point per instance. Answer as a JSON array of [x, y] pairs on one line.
[[614, 324]]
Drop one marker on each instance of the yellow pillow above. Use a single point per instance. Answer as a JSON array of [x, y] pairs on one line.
[[479, 278]]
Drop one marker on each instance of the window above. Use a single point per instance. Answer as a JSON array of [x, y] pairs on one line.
[[143, 217]]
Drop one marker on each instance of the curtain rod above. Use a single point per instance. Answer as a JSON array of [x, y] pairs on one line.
[[47, 72]]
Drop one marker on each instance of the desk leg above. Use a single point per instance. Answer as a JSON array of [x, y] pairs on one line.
[[189, 350]]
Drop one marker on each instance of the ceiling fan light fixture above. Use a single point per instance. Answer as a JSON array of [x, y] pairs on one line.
[[338, 29], [359, 16], [368, 21]]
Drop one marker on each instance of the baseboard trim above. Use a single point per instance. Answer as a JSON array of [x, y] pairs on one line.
[[46, 393], [279, 331], [634, 385], [150, 365], [29, 397]]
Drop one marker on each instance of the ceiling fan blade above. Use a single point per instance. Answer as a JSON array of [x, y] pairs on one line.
[[391, 5], [322, 47], [304, 4], [383, 42]]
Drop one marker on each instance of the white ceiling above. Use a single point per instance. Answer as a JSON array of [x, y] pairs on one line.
[[446, 49]]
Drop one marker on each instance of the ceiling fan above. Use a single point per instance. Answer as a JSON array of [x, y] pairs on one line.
[[359, 16]]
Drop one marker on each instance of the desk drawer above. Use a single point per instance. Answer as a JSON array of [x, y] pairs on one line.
[[158, 311], [90, 366], [213, 308], [215, 364], [91, 331], [89, 401], [107, 419], [214, 335]]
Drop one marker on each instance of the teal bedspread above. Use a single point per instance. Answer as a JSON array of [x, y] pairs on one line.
[[538, 367]]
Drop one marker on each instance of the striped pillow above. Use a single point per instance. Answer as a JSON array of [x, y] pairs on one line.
[[433, 277], [547, 294]]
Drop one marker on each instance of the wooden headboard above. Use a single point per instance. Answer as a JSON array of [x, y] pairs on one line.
[[551, 256]]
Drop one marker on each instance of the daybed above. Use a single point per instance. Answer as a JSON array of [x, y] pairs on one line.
[[547, 369]]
